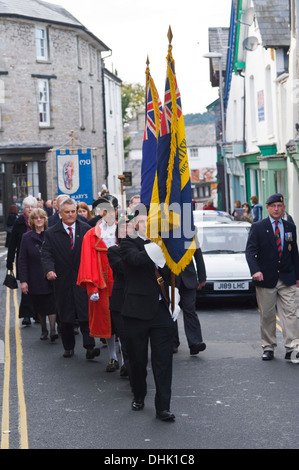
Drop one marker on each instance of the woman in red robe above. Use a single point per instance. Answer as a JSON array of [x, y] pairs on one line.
[[96, 276]]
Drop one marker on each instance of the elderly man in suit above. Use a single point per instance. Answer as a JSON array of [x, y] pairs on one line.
[[273, 260], [61, 254], [147, 318]]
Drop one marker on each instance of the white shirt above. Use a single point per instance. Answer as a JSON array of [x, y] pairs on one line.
[[108, 233], [281, 229]]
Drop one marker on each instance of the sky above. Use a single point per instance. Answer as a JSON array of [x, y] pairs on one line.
[[135, 29]]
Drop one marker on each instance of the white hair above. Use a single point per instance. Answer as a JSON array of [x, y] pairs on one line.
[[67, 201], [29, 201]]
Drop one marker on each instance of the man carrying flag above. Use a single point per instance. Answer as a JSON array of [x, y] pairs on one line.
[[170, 222], [151, 133]]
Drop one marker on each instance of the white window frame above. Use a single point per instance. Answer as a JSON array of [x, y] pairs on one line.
[[80, 101], [41, 39], [194, 152], [92, 109], [43, 102]]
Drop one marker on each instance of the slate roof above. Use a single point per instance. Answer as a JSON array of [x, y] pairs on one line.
[[42, 11], [201, 135], [218, 42], [273, 18]]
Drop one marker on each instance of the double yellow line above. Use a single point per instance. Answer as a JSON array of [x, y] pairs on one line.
[[5, 431]]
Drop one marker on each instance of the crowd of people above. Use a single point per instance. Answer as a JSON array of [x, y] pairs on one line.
[[78, 270], [97, 271]]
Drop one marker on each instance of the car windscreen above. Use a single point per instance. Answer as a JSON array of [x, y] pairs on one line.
[[223, 239]]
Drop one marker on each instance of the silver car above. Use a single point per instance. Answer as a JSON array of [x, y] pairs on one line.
[[223, 247]]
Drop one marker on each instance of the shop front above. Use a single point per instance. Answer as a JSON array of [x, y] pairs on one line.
[[22, 173]]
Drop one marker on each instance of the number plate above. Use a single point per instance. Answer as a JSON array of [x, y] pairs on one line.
[[231, 285]]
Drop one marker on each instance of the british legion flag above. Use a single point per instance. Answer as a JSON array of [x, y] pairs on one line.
[[170, 221]]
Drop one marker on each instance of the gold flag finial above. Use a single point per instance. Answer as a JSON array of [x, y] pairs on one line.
[[169, 34], [147, 61]]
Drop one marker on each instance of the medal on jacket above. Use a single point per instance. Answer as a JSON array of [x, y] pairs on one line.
[[288, 236]]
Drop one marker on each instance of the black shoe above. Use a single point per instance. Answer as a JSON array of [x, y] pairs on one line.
[[26, 321], [165, 415], [91, 353], [53, 336], [44, 335], [268, 355], [68, 353], [112, 366], [196, 348], [123, 371], [290, 355], [137, 405]]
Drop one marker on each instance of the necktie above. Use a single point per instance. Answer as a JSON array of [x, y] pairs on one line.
[[277, 237], [71, 237]]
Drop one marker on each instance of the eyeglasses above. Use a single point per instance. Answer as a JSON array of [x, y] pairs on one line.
[[38, 217]]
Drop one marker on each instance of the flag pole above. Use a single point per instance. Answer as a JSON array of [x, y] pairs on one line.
[[170, 36], [123, 209]]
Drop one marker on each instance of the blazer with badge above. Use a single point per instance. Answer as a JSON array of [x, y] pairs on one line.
[[262, 254], [141, 287]]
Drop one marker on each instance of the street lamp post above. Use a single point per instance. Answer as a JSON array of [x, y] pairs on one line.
[[217, 55]]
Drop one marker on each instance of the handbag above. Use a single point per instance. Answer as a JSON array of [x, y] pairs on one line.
[[10, 280]]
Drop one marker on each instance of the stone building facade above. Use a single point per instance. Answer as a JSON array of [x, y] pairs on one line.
[[51, 97]]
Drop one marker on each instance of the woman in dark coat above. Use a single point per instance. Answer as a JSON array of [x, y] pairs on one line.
[[12, 217], [31, 275], [20, 227]]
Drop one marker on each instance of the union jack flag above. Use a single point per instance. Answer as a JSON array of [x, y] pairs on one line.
[[151, 133], [167, 110]]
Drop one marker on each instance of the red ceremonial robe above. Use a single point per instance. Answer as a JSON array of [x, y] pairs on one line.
[[96, 276]]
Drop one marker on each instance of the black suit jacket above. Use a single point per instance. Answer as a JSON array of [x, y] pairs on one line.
[[57, 256], [190, 277], [116, 264], [141, 287], [262, 254]]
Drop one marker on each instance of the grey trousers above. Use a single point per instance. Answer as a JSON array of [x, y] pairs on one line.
[[280, 300]]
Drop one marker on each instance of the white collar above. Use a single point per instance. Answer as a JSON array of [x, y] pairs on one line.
[[67, 226]]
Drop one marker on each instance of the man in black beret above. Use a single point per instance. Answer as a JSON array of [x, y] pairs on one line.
[[273, 260]]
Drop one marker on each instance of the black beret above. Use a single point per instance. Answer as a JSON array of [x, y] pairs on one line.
[[274, 198], [107, 201]]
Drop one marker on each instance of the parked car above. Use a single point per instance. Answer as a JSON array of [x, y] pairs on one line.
[[200, 216], [223, 247]]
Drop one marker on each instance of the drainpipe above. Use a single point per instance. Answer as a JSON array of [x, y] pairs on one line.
[[105, 123]]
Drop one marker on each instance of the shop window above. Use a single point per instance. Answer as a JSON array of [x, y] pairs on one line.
[[25, 181]]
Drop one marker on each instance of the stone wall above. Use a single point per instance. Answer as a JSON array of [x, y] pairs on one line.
[[19, 73]]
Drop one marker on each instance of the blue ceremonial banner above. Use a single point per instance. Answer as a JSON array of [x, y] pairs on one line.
[[170, 221], [74, 175], [151, 133]]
